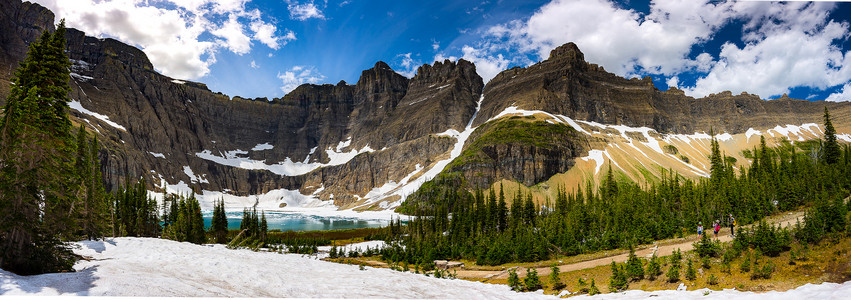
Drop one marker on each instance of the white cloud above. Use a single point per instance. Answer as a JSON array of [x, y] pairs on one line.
[[235, 39], [783, 45], [435, 45], [265, 33], [486, 65], [620, 40], [305, 11], [254, 65], [843, 96], [180, 40], [788, 45], [407, 66], [673, 82], [299, 75]]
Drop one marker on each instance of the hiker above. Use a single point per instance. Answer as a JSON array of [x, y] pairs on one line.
[[717, 228], [700, 229], [732, 226]]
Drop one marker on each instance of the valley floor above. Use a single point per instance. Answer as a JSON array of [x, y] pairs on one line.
[[155, 267]]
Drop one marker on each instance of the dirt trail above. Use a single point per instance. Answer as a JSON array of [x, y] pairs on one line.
[[661, 248]]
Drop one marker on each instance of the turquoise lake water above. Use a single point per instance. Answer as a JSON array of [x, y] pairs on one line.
[[299, 222]]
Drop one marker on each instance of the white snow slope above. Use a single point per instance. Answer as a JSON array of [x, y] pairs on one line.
[[154, 267], [158, 268]]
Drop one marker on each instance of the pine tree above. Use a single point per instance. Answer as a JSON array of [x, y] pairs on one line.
[[831, 146], [514, 280], [264, 227], [36, 151], [555, 280], [532, 281], [219, 224]]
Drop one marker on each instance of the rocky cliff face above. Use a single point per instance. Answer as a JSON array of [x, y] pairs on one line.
[[175, 131], [362, 145], [566, 84]]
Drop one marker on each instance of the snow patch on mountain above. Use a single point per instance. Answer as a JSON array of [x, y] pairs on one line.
[[239, 158], [199, 179], [76, 105], [261, 147]]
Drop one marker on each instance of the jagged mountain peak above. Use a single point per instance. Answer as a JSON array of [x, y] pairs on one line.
[[568, 51]]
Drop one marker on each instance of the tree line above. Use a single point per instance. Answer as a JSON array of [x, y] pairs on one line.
[[493, 228], [51, 183]]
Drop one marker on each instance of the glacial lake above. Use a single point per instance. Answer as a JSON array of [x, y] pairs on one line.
[[300, 222]]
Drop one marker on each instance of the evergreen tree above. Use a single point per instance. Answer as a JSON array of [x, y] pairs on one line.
[[618, 280], [264, 227], [36, 151], [532, 281], [514, 281], [219, 224], [555, 280], [634, 267], [831, 152]]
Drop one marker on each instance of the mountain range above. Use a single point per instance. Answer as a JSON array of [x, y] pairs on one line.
[[369, 145]]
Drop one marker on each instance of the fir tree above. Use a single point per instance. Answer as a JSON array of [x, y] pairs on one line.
[[514, 281], [36, 151], [832, 152], [219, 223], [555, 280], [532, 281]]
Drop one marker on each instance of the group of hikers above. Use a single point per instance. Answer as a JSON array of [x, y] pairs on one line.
[[716, 227]]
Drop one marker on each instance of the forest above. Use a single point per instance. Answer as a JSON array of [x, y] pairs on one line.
[[492, 228]]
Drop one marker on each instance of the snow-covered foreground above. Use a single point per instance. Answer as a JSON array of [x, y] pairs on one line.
[[154, 267]]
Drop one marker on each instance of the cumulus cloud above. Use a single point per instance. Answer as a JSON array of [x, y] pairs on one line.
[[234, 36], [487, 65], [180, 39], [620, 40], [266, 34], [786, 46], [783, 45], [299, 75], [842, 96], [305, 11]]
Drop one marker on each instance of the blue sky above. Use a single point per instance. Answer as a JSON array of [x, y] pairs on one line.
[[264, 48]]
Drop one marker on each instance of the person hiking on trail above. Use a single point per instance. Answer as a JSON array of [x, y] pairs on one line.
[[700, 229], [732, 226], [716, 227]]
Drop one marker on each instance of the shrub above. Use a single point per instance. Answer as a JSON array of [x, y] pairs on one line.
[[712, 280], [763, 272], [705, 247], [514, 281], [745, 266], [674, 273], [691, 273], [705, 263], [634, 267], [653, 267], [593, 290], [618, 281], [555, 281], [532, 281], [581, 285]]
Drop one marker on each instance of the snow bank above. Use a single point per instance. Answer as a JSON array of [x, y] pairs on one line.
[[76, 105], [163, 268]]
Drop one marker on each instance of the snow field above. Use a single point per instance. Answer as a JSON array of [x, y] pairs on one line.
[[163, 268]]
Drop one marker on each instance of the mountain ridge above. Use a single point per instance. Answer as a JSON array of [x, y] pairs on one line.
[[366, 145]]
